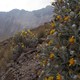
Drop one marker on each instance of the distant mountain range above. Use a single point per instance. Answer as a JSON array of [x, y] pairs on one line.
[[15, 20]]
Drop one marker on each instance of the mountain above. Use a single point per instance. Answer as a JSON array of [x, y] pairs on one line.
[[16, 20]]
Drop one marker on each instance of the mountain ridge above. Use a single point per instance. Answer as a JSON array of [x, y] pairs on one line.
[[16, 20]]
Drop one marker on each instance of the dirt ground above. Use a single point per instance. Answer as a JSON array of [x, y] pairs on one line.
[[25, 68]]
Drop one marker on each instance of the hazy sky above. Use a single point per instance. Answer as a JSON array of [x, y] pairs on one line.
[[7, 5]]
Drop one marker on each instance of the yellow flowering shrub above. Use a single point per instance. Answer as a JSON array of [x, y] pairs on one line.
[[44, 62], [30, 32], [58, 77], [49, 78], [50, 42], [22, 45], [58, 17], [64, 42], [51, 56], [71, 62], [72, 40], [60, 1], [53, 24], [23, 33], [52, 31], [66, 18], [46, 78]]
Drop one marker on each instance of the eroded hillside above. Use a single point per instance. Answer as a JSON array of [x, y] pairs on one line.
[[19, 54]]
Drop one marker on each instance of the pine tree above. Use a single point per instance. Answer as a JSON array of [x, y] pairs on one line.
[[61, 57]]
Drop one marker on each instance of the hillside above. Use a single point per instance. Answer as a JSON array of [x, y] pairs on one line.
[[48, 52], [18, 60]]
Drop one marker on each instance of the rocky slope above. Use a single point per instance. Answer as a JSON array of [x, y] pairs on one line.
[[18, 62]]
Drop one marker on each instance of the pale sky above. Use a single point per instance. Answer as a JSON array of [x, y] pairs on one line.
[[29, 5]]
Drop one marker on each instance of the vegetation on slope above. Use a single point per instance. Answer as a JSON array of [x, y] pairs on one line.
[[19, 50], [53, 51], [61, 56]]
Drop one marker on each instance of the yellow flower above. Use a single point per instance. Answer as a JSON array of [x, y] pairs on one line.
[[50, 78], [72, 40], [43, 63], [37, 55], [45, 78], [22, 45], [58, 77], [58, 17], [51, 56], [29, 31], [71, 62], [23, 33], [60, 1], [66, 18], [50, 42], [53, 24], [52, 31]]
